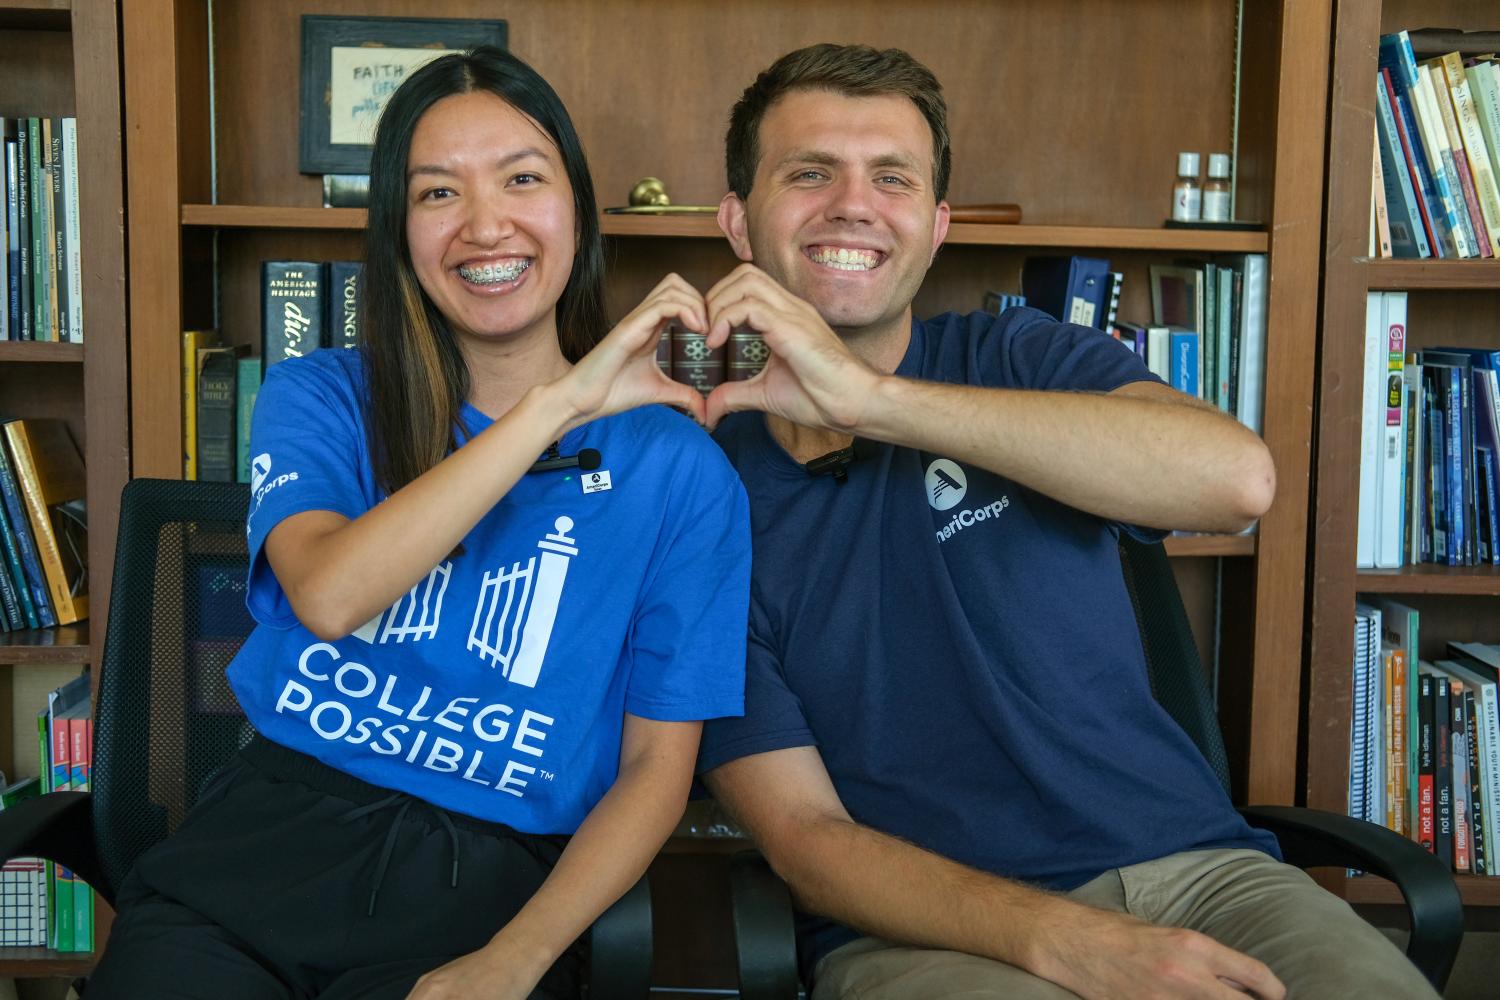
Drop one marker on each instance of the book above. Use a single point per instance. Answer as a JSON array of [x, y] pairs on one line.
[[1463, 830], [1380, 223], [1399, 76], [13, 572], [1479, 667], [1408, 235], [50, 473], [1442, 770], [25, 207], [747, 355], [246, 389], [694, 363], [1440, 154], [20, 533], [23, 883], [1070, 289], [1391, 428], [346, 190], [1159, 352], [292, 296], [193, 341], [1371, 410], [1475, 148], [1184, 361], [71, 221], [80, 767], [59, 235], [344, 303], [218, 446], [1446, 125], [1426, 758]]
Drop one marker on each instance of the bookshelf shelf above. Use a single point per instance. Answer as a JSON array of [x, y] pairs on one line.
[[1449, 275], [26, 963], [705, 227], [64, 644], [1211, 545], [1475, 581], [31, 351], [36, 15], [1476, 890]]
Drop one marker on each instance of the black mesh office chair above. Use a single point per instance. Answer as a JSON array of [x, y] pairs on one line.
[[1309, 838], [166, 719]]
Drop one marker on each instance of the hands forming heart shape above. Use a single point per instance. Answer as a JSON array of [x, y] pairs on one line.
[[811, 377]]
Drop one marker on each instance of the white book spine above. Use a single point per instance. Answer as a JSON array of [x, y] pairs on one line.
[[1369, 431], [1391, 421], [74, 241], [1253, 343]]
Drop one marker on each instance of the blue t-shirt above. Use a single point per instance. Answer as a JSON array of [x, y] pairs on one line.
[[962, 650], [497, 686]]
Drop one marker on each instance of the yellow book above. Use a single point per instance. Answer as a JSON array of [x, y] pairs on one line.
[[1475, 148], [49, 471], [192, 342]]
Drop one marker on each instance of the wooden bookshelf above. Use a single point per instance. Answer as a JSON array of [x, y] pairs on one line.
[[60, 58], [62, 645], [1210, 545], [1448, 297]]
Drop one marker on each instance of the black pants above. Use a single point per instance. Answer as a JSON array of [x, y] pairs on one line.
[[290, 879]]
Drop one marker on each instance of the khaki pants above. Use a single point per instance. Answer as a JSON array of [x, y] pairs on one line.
[[1311, 939]]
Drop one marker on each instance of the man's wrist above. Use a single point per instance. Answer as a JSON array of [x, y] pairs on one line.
[[881, 402]]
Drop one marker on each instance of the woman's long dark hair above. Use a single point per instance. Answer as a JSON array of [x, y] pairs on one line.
[[417, 378]]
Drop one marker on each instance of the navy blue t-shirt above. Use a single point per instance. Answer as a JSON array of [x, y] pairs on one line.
[[962, 650]]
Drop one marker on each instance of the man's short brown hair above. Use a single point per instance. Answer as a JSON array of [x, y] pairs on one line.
[[851, 70]]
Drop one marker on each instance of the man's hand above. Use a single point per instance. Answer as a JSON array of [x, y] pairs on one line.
[[811, 378], [1109, 956], [491, 973]]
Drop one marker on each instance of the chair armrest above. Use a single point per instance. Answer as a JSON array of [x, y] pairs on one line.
[[1313, 838], [765, 941], [620, 947], [58, 826]]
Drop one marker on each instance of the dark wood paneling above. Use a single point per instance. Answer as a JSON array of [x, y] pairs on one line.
[[36, 73], [651, 84]]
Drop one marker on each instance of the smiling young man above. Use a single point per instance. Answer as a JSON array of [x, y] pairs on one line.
[[950, 749]]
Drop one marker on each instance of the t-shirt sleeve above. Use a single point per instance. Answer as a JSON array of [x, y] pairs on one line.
[[687, 643], [1030, 350], [307, 454], [773, 718]]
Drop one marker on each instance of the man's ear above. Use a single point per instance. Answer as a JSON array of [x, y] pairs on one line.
[[939, 229], [732, 222]]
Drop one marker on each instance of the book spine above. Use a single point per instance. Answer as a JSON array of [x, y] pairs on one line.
[[1400, 822], [23, 194], [62, 780], [1463, 859], [1185, 362], [13, 239], [59, 243], [12, 617], [1489, 748], [1388, 550], [40, 324], [64, 606], [217, 449], [193, 341], [694, 363], [1442, 775], [344, 307], [747, 355], [1492, 503], [246, 387], [79, 767], [75, 237], [1425, 816], [17, 570], [1479, 829], [1380, 229], [20, 524], [292, 296]]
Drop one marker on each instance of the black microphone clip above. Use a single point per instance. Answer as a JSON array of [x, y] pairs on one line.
[[836, 463], [587, 460]]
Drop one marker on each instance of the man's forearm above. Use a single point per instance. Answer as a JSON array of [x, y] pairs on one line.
[[888, 888], [1154, 462]]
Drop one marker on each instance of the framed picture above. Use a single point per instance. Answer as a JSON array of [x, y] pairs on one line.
[[350, 68]]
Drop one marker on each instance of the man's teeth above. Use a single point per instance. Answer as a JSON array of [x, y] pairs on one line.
[[494, 274], [845, 259]]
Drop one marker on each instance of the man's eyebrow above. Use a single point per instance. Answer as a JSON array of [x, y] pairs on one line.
[[824, 159], [500, 164]]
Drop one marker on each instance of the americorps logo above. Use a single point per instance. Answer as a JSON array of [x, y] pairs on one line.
[[946, 484], [260, 467]]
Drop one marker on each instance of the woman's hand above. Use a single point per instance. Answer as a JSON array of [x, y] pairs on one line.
[[621, 373], [491, 973]]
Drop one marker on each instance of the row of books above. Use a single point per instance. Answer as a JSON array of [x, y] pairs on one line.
[[41, 273], [1424, 757], [1436, 183], [685, 356], [43, 526], [219, 386], [1429, 484], [1207, 337], [44, 904]]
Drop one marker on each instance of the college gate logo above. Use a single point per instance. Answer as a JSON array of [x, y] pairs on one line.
[[517, 608], [946, 484]]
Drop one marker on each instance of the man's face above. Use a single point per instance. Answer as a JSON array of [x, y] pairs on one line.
[[842, 211]]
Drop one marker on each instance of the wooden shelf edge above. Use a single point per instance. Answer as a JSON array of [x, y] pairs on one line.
[[1477, 581], [37, 963], [706, 227], [64, 644], [1211, 545], [35, 351], [1475, 890], [1387, 274]]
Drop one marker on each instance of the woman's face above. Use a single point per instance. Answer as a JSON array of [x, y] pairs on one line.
[[489, 217]]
